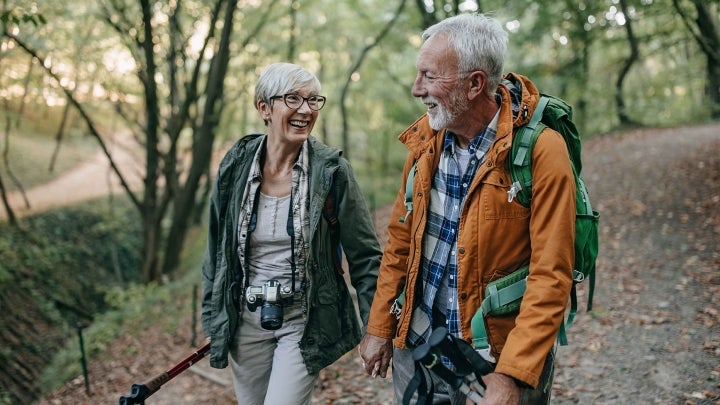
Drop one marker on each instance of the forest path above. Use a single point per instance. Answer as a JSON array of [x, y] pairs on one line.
[[92, 178]]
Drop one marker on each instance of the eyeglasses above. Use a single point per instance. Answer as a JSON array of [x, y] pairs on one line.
[[294, 101]]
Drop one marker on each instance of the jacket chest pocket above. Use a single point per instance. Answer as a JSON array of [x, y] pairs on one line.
[[495, 193]]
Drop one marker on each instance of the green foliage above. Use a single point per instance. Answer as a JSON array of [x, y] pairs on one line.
[[54, 272], [19, 16], [131, 309], [71, 255], [5, 397]]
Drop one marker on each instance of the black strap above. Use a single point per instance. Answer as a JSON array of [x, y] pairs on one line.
[[419, 384], [329, 212], [291, 232]]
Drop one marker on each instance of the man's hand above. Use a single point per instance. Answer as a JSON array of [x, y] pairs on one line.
[[375, 353], [501, 389]]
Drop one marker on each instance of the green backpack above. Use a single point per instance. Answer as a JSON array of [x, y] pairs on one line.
[[503, 296]]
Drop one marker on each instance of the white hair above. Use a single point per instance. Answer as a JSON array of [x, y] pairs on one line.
[[479, 42], [281, 78]]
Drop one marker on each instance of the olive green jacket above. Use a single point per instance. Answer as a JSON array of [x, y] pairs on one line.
[[332, 327]]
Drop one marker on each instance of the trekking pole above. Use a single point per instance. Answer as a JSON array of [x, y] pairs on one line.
[[467, 361], [140, 392], [430, 358]]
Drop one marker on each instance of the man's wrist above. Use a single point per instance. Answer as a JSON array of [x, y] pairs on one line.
[[518, 383]]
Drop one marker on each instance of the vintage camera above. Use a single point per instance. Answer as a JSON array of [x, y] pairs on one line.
[[271, 297]]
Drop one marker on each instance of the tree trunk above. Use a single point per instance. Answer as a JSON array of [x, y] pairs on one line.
[[8, 209], [151, 215], [713, 87], [707, 36], [185, 200], [629, 62], [59, 137], [8, 169], [709, 40]]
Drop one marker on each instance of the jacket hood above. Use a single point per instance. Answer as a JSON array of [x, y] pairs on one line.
[[524, 96]]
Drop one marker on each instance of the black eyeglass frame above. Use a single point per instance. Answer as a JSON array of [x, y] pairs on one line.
[[318, 100]]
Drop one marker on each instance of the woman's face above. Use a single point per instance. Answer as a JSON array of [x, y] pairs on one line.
[[286, 124]]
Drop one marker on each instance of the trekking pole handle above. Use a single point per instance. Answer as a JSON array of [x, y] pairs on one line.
[[156, 382]]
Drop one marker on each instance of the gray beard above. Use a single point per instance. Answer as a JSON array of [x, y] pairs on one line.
[[443, 118]]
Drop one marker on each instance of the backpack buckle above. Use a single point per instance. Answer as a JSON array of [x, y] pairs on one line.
[[396, 309]]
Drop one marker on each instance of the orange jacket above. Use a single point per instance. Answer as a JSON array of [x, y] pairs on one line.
[[495, 238]]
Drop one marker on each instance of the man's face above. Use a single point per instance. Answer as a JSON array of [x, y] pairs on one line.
[[439, 85]]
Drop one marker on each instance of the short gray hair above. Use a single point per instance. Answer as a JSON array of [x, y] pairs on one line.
[[479, 42], [281, 78]]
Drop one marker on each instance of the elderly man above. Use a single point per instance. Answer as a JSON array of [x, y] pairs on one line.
[[464, 231]]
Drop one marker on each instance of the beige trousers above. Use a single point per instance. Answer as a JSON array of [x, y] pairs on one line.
[[267, 366]]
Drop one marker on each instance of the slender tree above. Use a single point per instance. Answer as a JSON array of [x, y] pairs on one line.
[[703, 26], [629, 62]]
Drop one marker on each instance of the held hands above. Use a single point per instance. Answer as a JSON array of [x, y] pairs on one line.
[[501, 389], [375, 353]]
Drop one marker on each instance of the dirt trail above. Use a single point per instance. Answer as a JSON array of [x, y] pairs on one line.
[[654, 334], [92, 178]]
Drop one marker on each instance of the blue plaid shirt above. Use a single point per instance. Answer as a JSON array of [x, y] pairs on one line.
[[438, 265]]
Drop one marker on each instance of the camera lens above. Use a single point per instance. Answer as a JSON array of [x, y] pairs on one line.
[[271, 316]]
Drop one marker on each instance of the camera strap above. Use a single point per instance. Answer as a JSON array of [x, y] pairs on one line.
[[291, 232]]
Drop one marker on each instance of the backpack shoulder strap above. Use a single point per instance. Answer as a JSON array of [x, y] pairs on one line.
[[521, 154], [409, 192]]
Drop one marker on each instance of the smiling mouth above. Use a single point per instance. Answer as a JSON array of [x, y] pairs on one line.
[[430, 105], [299, 124]]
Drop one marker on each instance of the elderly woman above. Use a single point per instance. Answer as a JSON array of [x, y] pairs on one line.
[[274, 295]]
